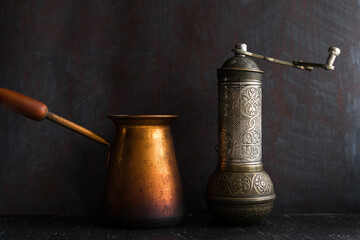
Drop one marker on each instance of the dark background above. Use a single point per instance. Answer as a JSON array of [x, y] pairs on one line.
[[88, 59]]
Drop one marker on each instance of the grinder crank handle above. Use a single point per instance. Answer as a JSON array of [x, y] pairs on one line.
[[38, 111], [308, 66]]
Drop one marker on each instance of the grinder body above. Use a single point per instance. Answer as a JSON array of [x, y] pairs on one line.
[[240, 191]]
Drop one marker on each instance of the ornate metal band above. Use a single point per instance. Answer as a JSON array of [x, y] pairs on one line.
[[241, 69], [240, 187], [242, 200], [247, 168]]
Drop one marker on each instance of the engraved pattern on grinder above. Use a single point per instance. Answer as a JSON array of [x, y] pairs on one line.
[[250, 119], [218, 183], [240, 191], [241, 214], [227, 103], [250, 101], [250, 146], [262, 184], [230, 184], [229, 137], [240, 184], [240, 124], [229, 142], [240, 62]]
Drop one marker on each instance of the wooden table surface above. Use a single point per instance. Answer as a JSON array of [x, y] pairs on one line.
[[327, 226]]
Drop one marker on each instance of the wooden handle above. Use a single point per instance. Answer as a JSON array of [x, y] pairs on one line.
[[23, 105], [38, 111]]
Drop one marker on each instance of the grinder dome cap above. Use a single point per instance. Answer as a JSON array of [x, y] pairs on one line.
[[240, 62]]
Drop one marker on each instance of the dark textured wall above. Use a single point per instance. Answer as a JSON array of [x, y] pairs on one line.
[[88, 59]]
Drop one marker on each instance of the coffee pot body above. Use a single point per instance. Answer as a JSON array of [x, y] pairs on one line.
[[143, 185]]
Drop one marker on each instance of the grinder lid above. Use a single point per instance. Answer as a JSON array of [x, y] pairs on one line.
[[240, 62]]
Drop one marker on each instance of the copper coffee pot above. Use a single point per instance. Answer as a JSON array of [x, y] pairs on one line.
[[240, 191], [143, 187]]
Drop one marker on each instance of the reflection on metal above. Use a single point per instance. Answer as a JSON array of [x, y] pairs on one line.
[[240, 191], [143, 187], [143, 182]]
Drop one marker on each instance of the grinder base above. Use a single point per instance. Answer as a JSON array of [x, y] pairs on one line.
[[240, 214], [240, 194]]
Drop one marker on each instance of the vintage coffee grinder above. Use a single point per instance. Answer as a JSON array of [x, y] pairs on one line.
[[240, 191]]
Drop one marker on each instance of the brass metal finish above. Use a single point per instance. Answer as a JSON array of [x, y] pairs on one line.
[[240, 197], [239, 168], [143, 183], [240, 214], [240, 191], [76, 128]]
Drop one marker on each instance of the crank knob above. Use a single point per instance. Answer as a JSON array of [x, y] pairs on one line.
[[333, 53]]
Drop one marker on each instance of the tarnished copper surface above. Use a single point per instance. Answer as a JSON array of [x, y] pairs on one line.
[[143, 187], [143, 183]]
